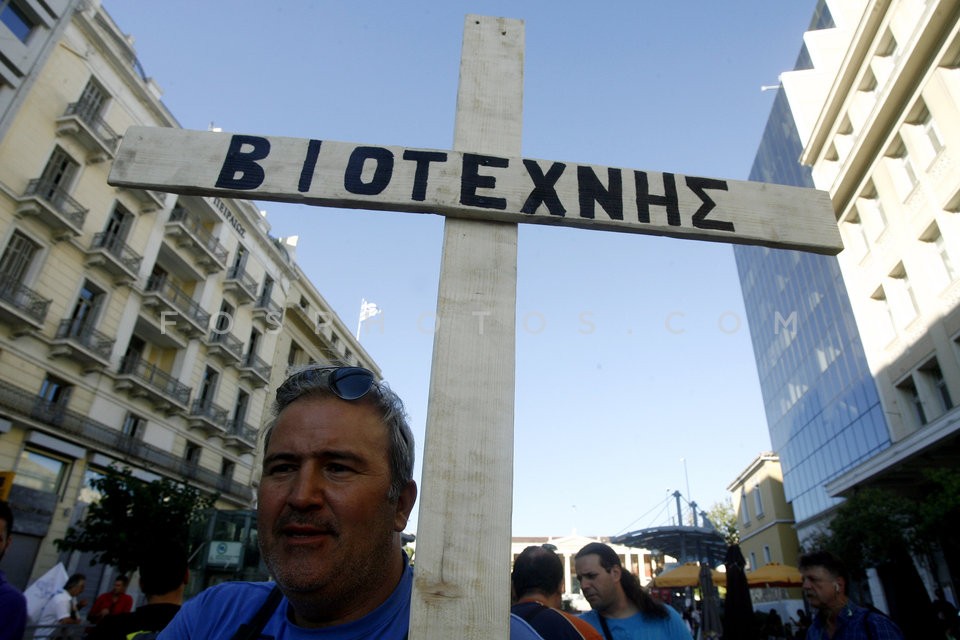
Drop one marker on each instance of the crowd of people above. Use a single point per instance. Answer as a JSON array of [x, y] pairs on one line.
[[335, 494], [163, 579]]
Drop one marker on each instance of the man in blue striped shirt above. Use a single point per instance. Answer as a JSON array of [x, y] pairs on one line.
[[838, 618]]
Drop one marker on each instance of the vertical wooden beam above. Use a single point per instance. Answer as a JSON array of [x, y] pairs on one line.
[[461, 587]]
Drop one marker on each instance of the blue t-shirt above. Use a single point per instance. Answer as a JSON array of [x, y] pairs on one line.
[[640, 626], [13, 611], [219, 611]]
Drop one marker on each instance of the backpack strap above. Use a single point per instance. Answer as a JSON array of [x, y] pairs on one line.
[[606, 629], [251, 630], [866, 625]]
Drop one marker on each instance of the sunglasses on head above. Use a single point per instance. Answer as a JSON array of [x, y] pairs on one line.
[[347, 383]]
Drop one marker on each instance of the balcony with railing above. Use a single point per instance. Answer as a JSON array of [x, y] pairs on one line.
[[268, 312], [84, 344], [183, 312], [85, 125], [208, 417], [114, 256], [224, 345], [21, 307], [301, 310], [188, 232], [142, 379], [241, 284], [53, 206], [149, 200], [255, 370], [240, 436], [101, 437], [193, 471]]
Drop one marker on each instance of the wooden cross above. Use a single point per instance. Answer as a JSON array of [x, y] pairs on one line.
[[484, 189]]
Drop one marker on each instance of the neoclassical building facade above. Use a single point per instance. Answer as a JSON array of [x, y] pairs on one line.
[[137, 328]]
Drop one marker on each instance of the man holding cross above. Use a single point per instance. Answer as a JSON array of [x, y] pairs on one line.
[[336, 491], [485, 189]]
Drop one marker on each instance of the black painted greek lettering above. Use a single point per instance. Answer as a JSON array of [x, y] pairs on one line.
[[592, 191], [668, 199], [699, 187], [471, 180], [544, 188], [423, 160], [353, 176], [309, 166], [243, 163]]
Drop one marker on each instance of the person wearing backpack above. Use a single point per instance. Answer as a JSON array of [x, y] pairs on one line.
[[537, 581], [163, 577], [839, 618]]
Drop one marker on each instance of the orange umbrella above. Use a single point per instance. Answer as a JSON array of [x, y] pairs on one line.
[[686, 575], [775, 574]]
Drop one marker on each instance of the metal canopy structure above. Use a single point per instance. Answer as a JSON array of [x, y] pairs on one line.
[[686, 544]]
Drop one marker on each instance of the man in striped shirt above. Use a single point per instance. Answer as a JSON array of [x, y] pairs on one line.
[[825, 582]]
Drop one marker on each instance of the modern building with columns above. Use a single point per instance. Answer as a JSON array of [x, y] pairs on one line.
[[861, 388], [136, 328]]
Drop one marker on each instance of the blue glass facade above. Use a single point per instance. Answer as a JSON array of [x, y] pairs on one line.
[[821, 402]]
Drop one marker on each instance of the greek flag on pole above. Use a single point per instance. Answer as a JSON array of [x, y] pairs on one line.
[[367, 311]]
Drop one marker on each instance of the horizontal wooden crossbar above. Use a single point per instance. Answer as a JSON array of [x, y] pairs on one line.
[[476, 186]]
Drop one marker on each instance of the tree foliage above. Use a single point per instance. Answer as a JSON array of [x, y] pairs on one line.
[[871, 527], [724, 518], [939, 512], [134, 517], [875, 526]]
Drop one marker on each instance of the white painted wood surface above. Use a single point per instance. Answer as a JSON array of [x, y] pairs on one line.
[[462, 576], [476, 183]]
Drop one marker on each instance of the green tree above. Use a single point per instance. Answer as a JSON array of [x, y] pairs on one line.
[[886, 530], [134, 517], [724, 518], [939, 511], [876, 526], [872, 528]]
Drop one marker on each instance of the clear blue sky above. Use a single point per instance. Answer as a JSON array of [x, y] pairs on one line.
[[605, 411]]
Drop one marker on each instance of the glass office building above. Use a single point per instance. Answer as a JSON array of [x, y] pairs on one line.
[[822, 406]]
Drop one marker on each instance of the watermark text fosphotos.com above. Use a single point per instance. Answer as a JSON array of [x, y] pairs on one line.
[[529, 322]]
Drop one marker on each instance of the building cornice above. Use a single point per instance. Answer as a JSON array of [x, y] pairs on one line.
[[752, 469], [917, 442], [862, 41], [912, 71], [96, 25]]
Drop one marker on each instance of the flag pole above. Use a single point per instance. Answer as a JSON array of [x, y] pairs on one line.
[[363, 303]]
